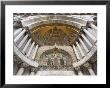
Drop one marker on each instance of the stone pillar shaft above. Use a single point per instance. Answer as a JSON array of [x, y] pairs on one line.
[[81, 51], [27, 44], [21, 43], [91, 71], [80, 72], [90, 35], [76, 53], [17, 31], [19, 35], [30, 49], [34, 53], [88, 42], [84, 46], [20, 71]]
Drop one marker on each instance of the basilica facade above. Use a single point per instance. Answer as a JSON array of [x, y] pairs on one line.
[[55, 44]]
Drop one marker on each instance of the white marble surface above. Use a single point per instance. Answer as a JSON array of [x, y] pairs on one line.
[[55, 73]]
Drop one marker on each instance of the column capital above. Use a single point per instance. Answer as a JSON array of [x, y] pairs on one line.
[[23, 65], [83, 27], [26, 28], [77, 68], [17, 60], [88, 24], [18, 24], [93, 60], [87, 65], [33, 69]]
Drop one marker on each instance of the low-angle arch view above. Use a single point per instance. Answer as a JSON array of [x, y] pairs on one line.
[[55, 44]]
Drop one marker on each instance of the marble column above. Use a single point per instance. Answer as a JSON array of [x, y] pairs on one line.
[[80, 72], [87, 41], [19, 35], [17, 31], [30, 49], [80, 49], [84, 46], [27, 44], [22, 41], [76, 53], [20, 71], [34, 53], [91, 71], [89, 34]]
